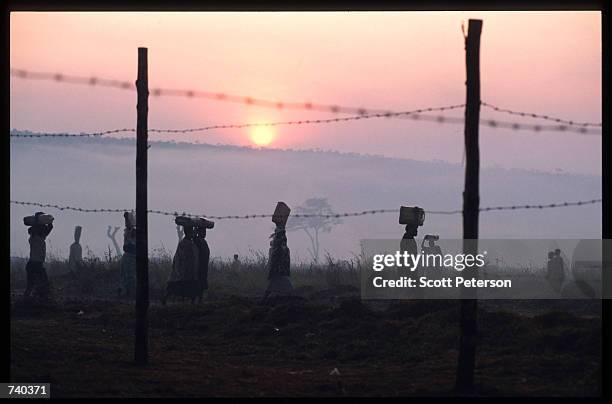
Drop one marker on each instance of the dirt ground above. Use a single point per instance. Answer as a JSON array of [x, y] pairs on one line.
[[316, 343]]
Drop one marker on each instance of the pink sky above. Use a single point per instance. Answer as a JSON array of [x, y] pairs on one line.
[[545, 62]]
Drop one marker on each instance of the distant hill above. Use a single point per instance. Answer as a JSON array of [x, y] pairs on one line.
[[224, 179]]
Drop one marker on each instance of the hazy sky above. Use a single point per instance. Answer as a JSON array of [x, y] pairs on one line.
[[545, 62]]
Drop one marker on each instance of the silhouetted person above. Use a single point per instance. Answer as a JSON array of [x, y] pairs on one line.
[[203, 260], [408, 242], [279, 261], [433, 272], [559, 264], [127, 271], [183, 279], [409, 245], [412, 217], [36, 272], [554, 277], [75, 259]]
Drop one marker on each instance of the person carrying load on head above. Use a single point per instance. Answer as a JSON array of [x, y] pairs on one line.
[[75, 259], [183, 279], [41, 225], [413, 218], [203, 254], [279, 261], [127, 269]]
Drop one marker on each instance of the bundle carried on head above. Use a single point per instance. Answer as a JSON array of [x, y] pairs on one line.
[[412, 215], [203, 223], [198, 222], [39, 218], [77, 232], [281, 214]]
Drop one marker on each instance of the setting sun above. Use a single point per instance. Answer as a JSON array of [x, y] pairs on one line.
[[262, 135]]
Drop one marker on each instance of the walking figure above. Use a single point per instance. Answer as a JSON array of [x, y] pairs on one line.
[[412, 217], [183, 277], [41, 225], [75, 259], [279, 257], [556, 270], [203, 255], [189, 275]]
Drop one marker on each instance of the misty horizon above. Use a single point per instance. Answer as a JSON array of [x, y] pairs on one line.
[[238, 180]]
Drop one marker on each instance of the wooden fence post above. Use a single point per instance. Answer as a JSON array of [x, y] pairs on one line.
[[141, 343], [471, 202]]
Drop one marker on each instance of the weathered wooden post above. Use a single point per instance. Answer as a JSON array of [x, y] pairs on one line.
[[141, 343], [471, 202]]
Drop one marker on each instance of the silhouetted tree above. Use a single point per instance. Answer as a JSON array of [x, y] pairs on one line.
[[111, 235], [315, 225]]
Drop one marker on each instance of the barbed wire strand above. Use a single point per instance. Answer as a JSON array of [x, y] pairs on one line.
[[127, 85], [332, 215], [539, 116], [515, 126], [246, 125], [414, 114], [90, 134], [216, 96]]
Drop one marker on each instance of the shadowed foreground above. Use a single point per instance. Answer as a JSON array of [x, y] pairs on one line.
[[234, 346]]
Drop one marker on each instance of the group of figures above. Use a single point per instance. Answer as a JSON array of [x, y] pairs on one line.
[[557, 271], [189, 274]]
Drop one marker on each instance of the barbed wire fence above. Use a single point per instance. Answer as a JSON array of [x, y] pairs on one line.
[[333, 215], [216, 96], [420, 114], [564, 125], [539, 116], [492, 123]]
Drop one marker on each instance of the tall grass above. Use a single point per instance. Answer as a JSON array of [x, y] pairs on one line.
[[99, 276]]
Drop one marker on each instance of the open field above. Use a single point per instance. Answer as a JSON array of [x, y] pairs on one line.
[[233, 345]]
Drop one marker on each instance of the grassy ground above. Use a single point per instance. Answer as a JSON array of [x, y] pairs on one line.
[[233, 345]]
